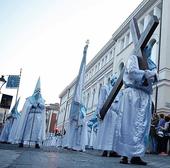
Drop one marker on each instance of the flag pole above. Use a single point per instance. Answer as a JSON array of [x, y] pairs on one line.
[[18, 86]]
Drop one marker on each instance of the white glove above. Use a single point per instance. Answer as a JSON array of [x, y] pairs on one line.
[[150, 74]]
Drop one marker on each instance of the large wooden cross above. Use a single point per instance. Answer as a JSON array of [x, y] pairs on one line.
[[140, 41]]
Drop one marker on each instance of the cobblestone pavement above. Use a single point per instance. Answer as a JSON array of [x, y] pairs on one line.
[[13, 157]]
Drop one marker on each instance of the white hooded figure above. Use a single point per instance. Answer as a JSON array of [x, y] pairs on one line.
[[77, 138], [134, 117], [6, 130], [92, 135], [8, 127], [106, 127], [31, 127], [16, 115], [76, 132]]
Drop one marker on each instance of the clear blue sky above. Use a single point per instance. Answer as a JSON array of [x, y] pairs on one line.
[[46, 38]]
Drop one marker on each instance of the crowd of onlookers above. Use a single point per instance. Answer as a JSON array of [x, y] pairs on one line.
[[159, 139]]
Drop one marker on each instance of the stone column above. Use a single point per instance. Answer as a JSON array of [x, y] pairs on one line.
[[165, 36], [155, 53], [164, 73]]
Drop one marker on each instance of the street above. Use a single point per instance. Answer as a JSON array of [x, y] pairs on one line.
[[28, 157]]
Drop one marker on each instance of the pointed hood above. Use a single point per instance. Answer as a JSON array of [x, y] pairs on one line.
[[37, 90], [14, 111], [77, 102], [148, 52]]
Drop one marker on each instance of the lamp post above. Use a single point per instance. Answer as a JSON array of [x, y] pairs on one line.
[[2, 82]]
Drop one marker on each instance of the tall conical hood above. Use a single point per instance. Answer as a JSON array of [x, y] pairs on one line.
[[14, 111], [148, 52], [37, 88]]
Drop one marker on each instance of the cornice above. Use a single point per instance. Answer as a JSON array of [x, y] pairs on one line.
[[138, 12], [100, 54], [99, 73]]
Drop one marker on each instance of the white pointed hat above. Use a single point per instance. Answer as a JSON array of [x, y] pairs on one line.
[[37, 87], [14, 110]]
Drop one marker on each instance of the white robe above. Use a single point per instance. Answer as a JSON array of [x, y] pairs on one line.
[[12, 135], [77, 137], [92, 136], [135, 111], [106, 127], [6, 130], [31, 127]]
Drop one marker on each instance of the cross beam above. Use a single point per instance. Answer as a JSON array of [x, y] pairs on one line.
[[140, 41]]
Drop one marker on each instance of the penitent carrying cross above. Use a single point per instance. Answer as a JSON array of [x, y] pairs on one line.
[[140, 41]]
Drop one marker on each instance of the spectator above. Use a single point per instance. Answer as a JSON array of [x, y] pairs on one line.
[[160, 134], [166, 130], [153, 135]]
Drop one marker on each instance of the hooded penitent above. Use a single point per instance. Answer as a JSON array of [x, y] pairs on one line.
[[106, 127], [16, 117], [5, 134], [31, 127]]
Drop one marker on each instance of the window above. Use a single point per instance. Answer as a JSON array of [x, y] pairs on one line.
[[99, 65], [130, 37], [141, 25], [154, 53], [106, 59], [127, 39], [95, 68], [102, 62], [110, 54], [99, 89], [121, 66], [93, 96], [87, 77], [92, 71], [108, 80], [122, 43], [87, 102], [113, 52]]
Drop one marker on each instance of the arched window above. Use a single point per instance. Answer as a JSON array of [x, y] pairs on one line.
[[106, 59], [99, 89], [121, 66], [111, 54], [93, 96], [96, 68], [99, 65], [108, 81], [154, 53], [102, 62], [87, 102]]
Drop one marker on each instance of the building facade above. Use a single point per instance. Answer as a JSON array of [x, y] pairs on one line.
[[52, 111], [114, 54]]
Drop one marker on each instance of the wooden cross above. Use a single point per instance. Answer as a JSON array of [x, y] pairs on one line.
[[140, 41]]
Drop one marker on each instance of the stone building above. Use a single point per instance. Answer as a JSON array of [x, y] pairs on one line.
[[113, 56], [52, 111]]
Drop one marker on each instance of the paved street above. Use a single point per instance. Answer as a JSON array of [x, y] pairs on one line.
[[13, 157]]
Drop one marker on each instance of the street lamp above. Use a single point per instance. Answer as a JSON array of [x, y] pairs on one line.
[[2, 82]]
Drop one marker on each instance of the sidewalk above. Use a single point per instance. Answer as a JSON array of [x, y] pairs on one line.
[[13, 157]]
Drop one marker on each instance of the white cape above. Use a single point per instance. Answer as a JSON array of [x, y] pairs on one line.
[[31, 127]]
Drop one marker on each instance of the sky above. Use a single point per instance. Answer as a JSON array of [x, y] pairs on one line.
[[46, 38]]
